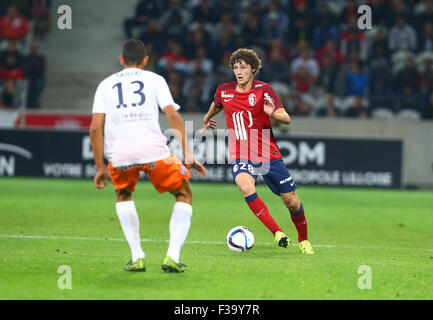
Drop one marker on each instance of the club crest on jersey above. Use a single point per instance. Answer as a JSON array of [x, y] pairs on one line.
[[252, 99], [235, 168]]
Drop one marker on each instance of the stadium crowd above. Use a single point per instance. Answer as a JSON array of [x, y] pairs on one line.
[[22, 67], [313, 53]]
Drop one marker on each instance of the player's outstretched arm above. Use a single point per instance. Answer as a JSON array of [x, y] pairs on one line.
[[208, 123], [176, 123], [97, 141], [280, 114]]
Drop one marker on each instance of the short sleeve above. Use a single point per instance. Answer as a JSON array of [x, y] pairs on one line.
[[98, 101], [217, 98], [163, 94], [269, 92]]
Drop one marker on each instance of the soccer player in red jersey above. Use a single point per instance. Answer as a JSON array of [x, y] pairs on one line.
[[249, 104]]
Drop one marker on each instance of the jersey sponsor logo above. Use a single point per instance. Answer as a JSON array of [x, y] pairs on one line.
[[227, 95], [252, 99], [239, 124], [267, 96]]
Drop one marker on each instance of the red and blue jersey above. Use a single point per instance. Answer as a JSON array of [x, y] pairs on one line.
[[250, 133]]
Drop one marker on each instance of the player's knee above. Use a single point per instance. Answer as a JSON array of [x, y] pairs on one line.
[[291, 201], [123, 195], [247, 189]]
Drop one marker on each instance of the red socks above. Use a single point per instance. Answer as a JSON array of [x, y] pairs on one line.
[[259, 208], [298, 218]]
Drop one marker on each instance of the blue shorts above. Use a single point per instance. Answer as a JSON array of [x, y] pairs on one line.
[[274, 172]]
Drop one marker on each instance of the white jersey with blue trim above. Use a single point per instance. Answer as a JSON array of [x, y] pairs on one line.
[[130, 100]]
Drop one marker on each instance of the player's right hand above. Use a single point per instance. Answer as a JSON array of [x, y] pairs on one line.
[[101, 174], [197, 166], [210, 124]]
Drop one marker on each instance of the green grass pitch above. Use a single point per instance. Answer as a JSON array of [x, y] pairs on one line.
[[45, 224]]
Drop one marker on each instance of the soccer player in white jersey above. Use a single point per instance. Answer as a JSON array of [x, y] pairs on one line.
[[125, 118]]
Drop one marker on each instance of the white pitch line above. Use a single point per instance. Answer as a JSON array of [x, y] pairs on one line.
[[21, 236]]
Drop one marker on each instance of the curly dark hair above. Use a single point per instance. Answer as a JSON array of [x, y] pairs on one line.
[[249, 56]]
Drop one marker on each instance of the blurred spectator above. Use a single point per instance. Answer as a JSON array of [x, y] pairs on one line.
[[358, 109], [200, 62], [408, 99], [253, 31], [302, 80], [323, 32], [380, 86], [350, 10], [407, 77], [152, 35], [34, 70], [199, 38], [173, 59], [380, 40], [40, 14], [174, 28], [276, 66], [397, 9], [9, 97], [175, 13], [426, 37], [379, 7], [330, 50], [225, 7], [305, 61], [328, 74], [197, 92], [356, 81], [277, 45], [13, 26], [204, 12], [425, 15], [11, 63], [144, 11], [328, 109], [275, 22], [300, 106], [402, 36], [301, 29], [223, 46], [353, 40]]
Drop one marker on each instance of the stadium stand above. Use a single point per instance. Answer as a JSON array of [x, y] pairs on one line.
[[312, 51], [22, 67]]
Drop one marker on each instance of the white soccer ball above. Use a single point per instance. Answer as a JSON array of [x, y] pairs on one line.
[[240, 239]]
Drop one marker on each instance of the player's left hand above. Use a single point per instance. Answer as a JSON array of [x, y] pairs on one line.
[[101, 174], [268, 107], [197, 166]]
